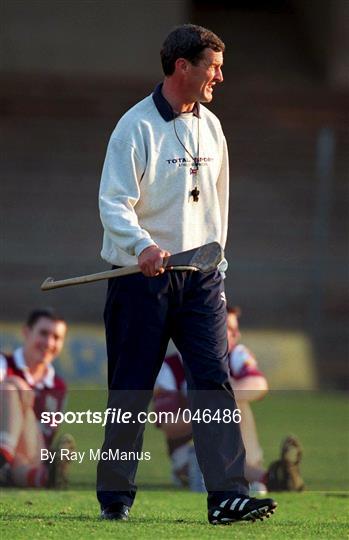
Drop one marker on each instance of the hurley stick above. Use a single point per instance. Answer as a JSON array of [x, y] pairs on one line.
[[204, 259]]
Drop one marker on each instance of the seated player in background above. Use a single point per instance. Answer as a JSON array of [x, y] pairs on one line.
[[249, 384], [29, 386]]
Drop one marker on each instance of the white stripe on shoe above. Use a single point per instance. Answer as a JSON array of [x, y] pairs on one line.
[[243, 504], [234, 503], [223, 503]]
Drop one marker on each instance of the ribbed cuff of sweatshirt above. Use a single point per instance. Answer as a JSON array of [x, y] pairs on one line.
[[142, 245]]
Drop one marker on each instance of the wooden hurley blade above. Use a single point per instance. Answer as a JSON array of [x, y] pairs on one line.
[[205, 259]]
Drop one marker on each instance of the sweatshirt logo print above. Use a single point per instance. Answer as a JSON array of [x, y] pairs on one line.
[[186, 162]]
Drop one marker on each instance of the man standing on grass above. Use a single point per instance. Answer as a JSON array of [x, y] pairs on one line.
[[164, 189]]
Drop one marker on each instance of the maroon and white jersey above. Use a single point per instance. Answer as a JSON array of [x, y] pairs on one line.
[[171, 375], [50, 391], [242, 363], [170, 391]]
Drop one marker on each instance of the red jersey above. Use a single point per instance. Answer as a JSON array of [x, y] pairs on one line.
[[49, 392]]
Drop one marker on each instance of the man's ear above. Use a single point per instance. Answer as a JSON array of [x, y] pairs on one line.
[[181, 65]]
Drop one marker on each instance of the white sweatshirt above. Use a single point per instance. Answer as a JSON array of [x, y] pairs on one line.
[[146, 182]]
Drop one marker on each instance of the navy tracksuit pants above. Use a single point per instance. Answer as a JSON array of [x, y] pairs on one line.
[[141, 315]]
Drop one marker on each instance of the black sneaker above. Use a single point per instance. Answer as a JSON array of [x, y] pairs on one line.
[[241, 509], [117, 511]]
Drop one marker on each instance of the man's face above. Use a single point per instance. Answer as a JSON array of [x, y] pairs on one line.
[[233, 332], [202, 78], [44, 340]]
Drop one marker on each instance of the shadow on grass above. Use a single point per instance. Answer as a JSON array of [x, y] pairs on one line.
[[59, 518], [338, 495], [146, 486]]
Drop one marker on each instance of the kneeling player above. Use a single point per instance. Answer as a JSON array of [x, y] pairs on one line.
[[29, 386], [249, 384]]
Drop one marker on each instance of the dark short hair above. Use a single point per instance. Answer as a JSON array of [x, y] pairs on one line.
[[47, 313], [188, 41], [236, 310]]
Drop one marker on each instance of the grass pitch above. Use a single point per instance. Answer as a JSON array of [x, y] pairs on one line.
[[164, 514], [161, 511]]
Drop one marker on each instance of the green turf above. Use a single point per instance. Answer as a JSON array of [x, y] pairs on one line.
[[160, 511], [160, 514]]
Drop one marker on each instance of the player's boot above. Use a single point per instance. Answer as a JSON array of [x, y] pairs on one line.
[[116, 511], [284, 474], [241, 508], [291, 453], [58, 469]]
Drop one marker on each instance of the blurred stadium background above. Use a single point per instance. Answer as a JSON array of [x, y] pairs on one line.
[[69, 69]]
